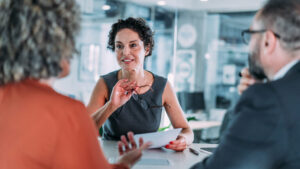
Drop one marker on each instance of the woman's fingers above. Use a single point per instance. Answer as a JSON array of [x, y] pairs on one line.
[[131, 157], [125, 143], [126, 85], [145, 146], [141, 141], [120, 147], [122, 92], [121, 83], [131, 140], [127, 89], [177, 145], [126, 146]]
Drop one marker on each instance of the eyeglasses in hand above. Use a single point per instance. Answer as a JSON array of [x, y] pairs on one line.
[[144, 103]]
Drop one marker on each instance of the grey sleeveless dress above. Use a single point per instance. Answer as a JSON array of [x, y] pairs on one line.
[[141, 114]]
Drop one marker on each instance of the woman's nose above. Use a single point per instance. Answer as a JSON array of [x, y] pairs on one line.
[[126, 50]]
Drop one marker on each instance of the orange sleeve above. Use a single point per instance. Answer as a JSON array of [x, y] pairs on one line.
[[78, 146], [120, 166]]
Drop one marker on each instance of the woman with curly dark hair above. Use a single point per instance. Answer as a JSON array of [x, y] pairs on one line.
[[40, 128], [131, 99]]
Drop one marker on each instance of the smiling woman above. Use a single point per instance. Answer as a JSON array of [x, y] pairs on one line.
[[131, 99], [130, 49]]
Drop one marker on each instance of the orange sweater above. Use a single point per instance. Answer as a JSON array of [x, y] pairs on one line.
[[41, 129]]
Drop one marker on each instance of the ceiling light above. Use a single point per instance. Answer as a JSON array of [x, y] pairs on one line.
[[106, 7], [207, 56], [161, 3], [203, 0]]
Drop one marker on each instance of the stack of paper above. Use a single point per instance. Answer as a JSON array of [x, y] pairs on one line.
[[159, 139]]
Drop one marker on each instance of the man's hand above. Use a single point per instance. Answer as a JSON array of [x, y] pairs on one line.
[[245, 81]]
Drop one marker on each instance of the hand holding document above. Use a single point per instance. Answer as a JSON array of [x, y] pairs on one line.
[[159, 139]]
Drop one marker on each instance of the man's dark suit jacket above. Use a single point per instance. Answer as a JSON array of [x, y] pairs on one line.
[[265, 131]]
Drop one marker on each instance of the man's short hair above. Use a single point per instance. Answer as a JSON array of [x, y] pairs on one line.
[[283, 17]]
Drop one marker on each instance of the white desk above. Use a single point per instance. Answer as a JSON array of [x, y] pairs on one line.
[[198, 125], [180, 160]]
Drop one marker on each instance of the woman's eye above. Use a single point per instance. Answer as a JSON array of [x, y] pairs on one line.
[[119, 46], [133, 45]]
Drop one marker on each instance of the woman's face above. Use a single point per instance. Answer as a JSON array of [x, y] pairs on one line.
[[130, 50]]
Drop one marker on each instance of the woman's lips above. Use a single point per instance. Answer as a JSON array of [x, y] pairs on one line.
[[127, 61]]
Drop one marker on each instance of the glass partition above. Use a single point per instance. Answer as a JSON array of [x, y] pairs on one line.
[[199, 51]]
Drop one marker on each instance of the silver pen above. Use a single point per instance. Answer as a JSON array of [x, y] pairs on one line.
[[194, 151]]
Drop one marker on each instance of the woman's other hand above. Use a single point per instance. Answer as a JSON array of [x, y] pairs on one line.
[[179, 144], [130, 152]]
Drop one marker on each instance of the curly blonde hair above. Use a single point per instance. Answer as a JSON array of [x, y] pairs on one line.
[[34, 36]]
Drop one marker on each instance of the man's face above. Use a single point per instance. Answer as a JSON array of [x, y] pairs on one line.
[[255, 68], [254, 58]]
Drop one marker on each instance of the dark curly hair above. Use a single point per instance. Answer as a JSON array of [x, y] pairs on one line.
[[34, 36], [138, 25]]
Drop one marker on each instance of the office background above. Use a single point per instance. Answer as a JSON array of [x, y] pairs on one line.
[[198, 47]]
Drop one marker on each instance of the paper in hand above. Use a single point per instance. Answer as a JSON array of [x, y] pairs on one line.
[[159, 139]]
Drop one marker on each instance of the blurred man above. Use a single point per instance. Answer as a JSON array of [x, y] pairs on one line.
[[265, 133]]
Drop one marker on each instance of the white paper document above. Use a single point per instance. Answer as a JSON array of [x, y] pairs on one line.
[[159, 139]]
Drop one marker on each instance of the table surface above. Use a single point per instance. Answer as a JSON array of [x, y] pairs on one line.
[[198, 125], [182, 160]]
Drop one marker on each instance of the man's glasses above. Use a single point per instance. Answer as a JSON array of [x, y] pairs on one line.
[[246, 34]]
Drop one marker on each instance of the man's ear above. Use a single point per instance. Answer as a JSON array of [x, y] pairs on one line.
[[269, 42]]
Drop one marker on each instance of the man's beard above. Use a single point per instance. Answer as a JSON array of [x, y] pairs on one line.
[[255, 68]]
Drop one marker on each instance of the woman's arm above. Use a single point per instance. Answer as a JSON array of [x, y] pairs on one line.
[[177, 119], [98, 108]]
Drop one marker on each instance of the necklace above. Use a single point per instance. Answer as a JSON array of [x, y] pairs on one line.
[[146, 85], [140, 89]]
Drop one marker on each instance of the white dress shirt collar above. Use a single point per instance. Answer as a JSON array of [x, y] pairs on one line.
[[284, 70]]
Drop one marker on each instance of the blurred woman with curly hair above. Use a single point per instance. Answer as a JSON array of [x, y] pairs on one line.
[[39, 127], [132, 98]]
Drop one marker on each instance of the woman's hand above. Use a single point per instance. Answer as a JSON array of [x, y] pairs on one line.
[[129, 151], [178, 145], [246, 80], [122, 92]]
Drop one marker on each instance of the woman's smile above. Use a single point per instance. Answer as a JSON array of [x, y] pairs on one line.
[[127, 61]]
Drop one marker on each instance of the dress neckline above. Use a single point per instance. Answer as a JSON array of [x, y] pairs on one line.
[[146, 92]]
